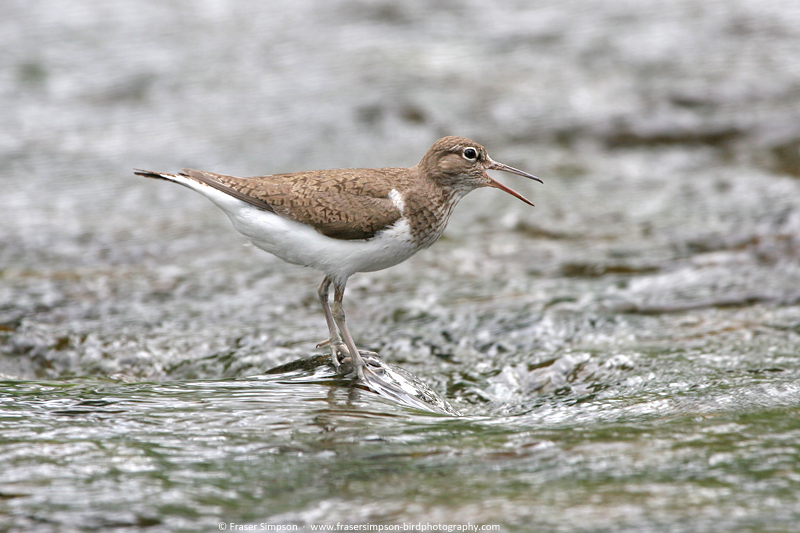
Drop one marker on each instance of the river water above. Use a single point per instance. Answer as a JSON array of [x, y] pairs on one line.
[[623, 356]]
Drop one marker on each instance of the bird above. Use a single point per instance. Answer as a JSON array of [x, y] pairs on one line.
[[344, 221]]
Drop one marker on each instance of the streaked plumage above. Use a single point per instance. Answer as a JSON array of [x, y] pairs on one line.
[[344, 221]]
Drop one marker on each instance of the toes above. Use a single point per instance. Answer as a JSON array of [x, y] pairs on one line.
[[339, 353]]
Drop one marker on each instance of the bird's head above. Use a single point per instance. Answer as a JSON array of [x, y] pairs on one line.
[[461, 164]]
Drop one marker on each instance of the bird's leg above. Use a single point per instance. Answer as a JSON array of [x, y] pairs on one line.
[[338, 317], [334, 341]]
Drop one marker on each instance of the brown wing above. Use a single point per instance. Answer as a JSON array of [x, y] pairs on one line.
[[341, 204], [228, 185]]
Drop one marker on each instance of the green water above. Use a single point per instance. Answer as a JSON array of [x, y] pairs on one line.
[[720, 453]]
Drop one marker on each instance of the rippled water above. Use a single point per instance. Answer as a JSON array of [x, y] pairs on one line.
[[635, 451], [624, 356]]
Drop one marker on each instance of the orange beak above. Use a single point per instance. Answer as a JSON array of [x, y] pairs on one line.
[[493, 165]]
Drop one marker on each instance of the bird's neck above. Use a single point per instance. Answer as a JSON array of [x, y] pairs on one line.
[[428, 210]]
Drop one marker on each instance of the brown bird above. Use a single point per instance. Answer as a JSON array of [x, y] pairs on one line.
[[351, 220]]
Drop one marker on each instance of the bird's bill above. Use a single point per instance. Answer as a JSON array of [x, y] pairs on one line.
[[493, 165]]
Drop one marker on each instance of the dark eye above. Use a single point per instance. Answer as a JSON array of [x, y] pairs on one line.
[[471, 154]]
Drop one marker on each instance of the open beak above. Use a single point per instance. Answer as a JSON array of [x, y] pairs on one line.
[[493, 165]]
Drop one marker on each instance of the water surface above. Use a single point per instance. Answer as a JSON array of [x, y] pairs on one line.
[[623, 355]]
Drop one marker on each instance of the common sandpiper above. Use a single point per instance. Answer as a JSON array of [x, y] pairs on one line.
[[350, 220]]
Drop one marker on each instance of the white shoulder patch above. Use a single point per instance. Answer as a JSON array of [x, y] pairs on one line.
[[397, 200]]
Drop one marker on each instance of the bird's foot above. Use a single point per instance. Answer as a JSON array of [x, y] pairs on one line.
[[339, 353], [343, 361], [326, 342]]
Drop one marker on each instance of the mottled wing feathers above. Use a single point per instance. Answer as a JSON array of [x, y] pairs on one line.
[[227, 184], [344, 216], [341, 204]]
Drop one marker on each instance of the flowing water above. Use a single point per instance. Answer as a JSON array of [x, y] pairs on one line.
[[622, 357]]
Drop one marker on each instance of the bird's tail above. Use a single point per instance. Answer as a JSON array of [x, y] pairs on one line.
[[155, 175], [181, 178], [204, 182]]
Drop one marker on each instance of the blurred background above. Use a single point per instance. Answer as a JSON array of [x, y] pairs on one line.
[[667, 137], [661, 257]]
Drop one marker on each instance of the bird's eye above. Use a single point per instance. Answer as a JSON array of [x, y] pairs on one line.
[[471, 154]]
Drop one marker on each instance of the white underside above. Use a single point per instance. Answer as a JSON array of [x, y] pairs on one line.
[[300, 244]]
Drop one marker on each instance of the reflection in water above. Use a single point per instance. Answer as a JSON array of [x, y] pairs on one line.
[[385, 380], [278, 447]]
